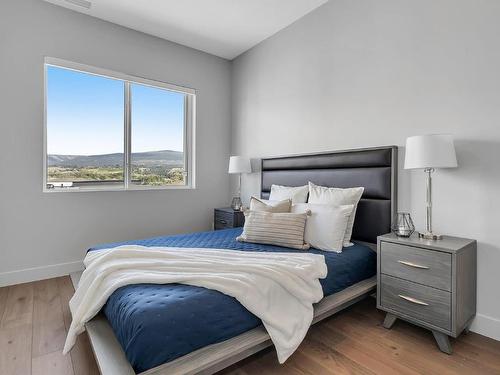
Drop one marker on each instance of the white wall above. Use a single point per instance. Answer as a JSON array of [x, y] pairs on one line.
[[52, 231], [373, 72]]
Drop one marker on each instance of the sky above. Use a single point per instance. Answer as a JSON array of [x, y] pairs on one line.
[[85, 115]]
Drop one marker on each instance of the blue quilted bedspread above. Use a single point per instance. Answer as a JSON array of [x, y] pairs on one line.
[[158, 323]]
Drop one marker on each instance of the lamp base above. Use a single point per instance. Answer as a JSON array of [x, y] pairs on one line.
[[236, 204], [430, 236]]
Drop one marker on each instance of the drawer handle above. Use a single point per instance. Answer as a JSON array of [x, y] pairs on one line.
[[223, 222], [413, 264], [414, 300]]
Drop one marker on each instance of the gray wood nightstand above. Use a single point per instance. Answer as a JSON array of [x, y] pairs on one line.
[[225, 218], [428, 283]]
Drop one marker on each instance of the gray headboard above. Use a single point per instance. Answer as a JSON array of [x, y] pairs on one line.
[[373, 168]]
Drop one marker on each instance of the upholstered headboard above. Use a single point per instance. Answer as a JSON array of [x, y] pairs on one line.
[[373, 168]]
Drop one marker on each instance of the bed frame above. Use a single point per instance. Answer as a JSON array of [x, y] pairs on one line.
[[373, 168]]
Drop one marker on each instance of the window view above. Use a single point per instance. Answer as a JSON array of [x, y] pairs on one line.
[[157, 156], [105, 132], [84, 128]]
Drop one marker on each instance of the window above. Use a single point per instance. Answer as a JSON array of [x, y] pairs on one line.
[[109, 131]]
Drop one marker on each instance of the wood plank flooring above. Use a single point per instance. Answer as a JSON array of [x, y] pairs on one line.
[[34, 319]]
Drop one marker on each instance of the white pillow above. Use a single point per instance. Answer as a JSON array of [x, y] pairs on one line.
[[338, 197], [296, 194], [326, 225], [270, 206]]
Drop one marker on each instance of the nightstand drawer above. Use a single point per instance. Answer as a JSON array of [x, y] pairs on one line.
[[223, 219], [421, 302], [428, 267]]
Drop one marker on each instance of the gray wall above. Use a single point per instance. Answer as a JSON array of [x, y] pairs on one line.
[[373, 72], [39, 230]]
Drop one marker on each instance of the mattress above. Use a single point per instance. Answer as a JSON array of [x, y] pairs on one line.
[[159, 323]]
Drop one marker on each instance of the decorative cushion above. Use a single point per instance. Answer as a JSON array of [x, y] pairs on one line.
[[325, 225], [296, 194], [270, 206], [281, 229], [338, 197]]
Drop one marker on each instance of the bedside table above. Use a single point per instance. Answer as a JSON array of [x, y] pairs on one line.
[[225, 218], [428, 283]]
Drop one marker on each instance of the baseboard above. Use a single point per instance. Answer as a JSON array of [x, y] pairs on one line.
[[486, 326], [39, 273]]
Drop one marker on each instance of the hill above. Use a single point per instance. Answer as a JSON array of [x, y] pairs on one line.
[[163, 158]]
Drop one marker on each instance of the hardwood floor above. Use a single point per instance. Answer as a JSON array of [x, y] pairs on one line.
[[34, 319]]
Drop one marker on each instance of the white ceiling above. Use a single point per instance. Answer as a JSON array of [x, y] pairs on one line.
[[225, 28]]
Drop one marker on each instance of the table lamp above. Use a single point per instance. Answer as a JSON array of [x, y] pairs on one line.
[[238, 165], [429, 152]]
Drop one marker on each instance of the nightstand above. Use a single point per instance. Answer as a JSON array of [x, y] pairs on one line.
[[428, 283], [225, 218]]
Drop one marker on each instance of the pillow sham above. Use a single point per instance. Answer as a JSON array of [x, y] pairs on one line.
[[281, 229], [270, 206], [325, 225], [296, 194], [338, 197]]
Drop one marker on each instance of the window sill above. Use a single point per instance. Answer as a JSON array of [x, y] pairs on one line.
[[110, 189]]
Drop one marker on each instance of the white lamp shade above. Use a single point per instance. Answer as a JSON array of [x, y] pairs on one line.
[[239, 164], [430, 151]]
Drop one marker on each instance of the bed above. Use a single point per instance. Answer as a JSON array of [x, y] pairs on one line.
[[182, 329]]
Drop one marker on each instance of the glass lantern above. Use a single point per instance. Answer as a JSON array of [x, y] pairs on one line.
[[403, 225]]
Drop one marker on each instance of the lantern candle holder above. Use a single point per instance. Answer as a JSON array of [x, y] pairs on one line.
[[403, 225]]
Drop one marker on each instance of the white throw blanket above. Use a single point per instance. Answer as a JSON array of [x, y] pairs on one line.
[[279, 288]]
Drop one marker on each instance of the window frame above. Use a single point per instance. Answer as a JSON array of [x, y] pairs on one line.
[[128, 80]]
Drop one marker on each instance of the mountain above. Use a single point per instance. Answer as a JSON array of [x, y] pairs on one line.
[[147, 159]]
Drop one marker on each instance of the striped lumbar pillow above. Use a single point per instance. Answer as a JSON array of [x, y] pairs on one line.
[[270, 206], [281, 229]]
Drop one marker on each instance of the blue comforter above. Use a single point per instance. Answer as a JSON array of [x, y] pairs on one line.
[[159, 323]]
